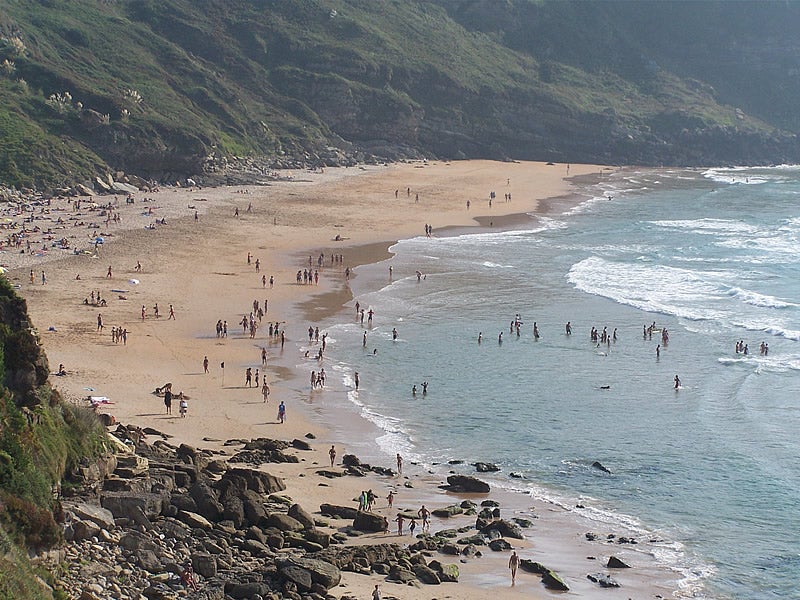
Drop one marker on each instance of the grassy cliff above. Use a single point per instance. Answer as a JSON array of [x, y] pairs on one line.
[[173, 87], [41, 440]]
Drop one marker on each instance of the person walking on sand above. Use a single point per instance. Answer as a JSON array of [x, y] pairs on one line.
[[513, 563], [108, 273], [399, 464], [205, 364], [168, 400], [332, 454], [281, 412], [390, 498], [376, 593], [171, 313]]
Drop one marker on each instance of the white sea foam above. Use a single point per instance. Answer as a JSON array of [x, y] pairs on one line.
[[653, 288], [707, 226], [756, 299]]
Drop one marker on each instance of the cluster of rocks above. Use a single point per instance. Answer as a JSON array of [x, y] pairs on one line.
[[149, 510]]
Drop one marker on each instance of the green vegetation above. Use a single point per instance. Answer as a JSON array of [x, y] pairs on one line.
[[160, 87], [39, 444]]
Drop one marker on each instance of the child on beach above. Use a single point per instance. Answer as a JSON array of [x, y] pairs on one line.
[[184, 406]]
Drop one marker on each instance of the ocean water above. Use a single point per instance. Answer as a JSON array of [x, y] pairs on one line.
[[711, 469]]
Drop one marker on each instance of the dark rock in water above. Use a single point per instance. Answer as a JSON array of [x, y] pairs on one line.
[[341, 512], [522, 522], [504, 528], [451, 549], [490, 503], [590, 536], [616, 563], [455, 462], [531, 566], [626, 540], [603, 580], [499, 545], [553, 581], [471, 550], [515, 475], [465, 483], [483, 467], [447, 512], [472, 540], [310, 436], [467, 504], [367, 521], [600, 467]]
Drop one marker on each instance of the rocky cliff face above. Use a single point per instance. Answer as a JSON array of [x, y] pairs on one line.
[[25, 363]]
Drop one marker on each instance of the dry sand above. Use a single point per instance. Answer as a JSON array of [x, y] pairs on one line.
[[199, 265]]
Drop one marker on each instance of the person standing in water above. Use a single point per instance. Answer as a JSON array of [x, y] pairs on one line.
[[677, 382]]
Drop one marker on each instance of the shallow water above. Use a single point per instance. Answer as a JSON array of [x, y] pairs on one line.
[[709, 468]]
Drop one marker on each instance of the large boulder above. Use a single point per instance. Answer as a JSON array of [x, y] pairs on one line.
[[466, 483], [101, 517], [258, 481], [320, 571], [194, 520], [502, 528], [298, 512], [127, 505], [283, 522], [205, 565], [426, 575], [207, 503], [448, 511], [552, 581], [136, 542], [254, 511], [367, 521], [339, 512]]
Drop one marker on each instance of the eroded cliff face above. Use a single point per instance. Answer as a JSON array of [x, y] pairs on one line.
[[25, 363]]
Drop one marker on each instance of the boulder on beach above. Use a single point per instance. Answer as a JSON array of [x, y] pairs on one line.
[[368, 521], [466, 483]]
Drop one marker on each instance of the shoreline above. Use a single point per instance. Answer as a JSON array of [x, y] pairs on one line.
[[286, 380]]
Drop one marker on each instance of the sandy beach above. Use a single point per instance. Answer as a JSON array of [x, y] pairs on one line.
[[193, 247]]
